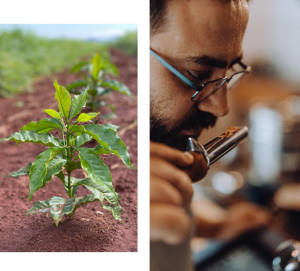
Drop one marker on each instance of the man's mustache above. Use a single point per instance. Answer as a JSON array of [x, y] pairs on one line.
[[160, 133], [198, 119]]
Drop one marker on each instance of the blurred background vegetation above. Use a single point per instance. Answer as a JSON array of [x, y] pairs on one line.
[[127, 43], [25, 56]]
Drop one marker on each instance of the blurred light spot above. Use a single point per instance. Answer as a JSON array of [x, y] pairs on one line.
[[296, 245], [276, 261], [295, 253], [238, 178], [224, 183], [291, 266]]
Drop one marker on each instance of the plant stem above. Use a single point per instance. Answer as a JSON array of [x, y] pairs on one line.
[[69, 158], [69, 185], [63, 133]]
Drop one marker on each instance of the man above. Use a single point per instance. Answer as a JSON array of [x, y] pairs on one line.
[[192, 43]]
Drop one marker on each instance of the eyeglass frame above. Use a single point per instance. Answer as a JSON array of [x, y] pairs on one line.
[[246, 71]]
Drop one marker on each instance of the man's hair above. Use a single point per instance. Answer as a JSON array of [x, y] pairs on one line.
[[158, 15]]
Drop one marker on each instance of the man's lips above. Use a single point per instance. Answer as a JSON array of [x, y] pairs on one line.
[[191, 133]]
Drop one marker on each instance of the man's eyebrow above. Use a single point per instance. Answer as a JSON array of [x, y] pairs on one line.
[[210, 61], [236, 60]]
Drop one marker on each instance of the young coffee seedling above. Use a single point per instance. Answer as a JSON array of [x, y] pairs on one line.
[[95, 74], [69, 154]]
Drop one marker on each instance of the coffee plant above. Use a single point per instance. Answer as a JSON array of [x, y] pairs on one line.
[[95, 77], [66, 154]]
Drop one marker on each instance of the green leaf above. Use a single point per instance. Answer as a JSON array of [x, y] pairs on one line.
[[77, 103], [77, 67], [53, 113], [93, 114], [74, 91], [99, 173], [110, 68], [70, 166], [74, 189], [22, 171], [100, 150], [61, 176], [108, 116], [96, 189], [54, 205], [72, 140], [108, 138], [58, 207], [54, 168], [62, 155], [86, 117], [111, 126], [117, 86], [115, 211], [73, 203], [64, 100], [96, 60], [102, 91], [76, 84], [43, 126], [34, 137], [81, 139], [40, 207], [86, 199], [39, 167]]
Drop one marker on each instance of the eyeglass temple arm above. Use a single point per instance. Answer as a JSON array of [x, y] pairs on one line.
[[247, 69], [173, 70]]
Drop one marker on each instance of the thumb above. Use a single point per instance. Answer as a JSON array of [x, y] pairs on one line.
[[198, 169]]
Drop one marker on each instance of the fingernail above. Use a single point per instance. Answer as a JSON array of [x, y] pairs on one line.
[[189, 155]]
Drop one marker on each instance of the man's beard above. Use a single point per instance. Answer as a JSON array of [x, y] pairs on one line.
[[159, 132]]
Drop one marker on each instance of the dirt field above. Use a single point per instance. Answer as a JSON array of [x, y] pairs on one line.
[[88, 230]]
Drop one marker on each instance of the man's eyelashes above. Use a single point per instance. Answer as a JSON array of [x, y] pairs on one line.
[[198, 77]]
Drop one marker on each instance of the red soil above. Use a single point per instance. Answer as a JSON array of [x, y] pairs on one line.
[[88, 230]]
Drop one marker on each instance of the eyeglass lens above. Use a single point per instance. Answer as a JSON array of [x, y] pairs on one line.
[[235, 80], [212, 87], [209, 89]]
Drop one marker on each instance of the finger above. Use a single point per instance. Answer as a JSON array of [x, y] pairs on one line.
[[175, 176], [198, 169], [174, 156], [168, 223], [164, 192]]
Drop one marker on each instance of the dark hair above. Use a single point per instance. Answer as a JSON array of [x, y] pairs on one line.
[[157, 14]]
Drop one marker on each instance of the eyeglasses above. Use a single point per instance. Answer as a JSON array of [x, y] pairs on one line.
[[238, 72]]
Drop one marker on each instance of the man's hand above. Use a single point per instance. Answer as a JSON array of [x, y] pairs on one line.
[[170, 193], [211, 220]]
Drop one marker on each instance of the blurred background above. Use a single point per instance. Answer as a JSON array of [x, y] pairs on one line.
[[265, 170], [29, 51]]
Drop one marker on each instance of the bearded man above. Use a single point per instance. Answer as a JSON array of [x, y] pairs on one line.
[[195, 58]]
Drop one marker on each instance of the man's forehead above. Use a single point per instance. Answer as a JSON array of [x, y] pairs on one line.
[[203, 28]]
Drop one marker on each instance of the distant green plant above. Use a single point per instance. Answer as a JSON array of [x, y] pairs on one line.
[[95, 72], [127, 43], [25, 56], [69, 154]]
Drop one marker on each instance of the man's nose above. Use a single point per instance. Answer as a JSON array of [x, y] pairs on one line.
[[217, 103]]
